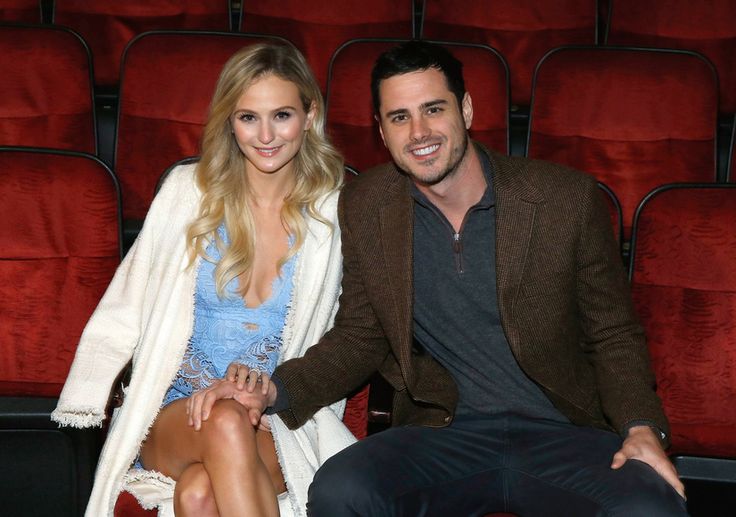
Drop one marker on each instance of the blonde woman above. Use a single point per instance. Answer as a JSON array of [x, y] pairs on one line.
[[237, 269]]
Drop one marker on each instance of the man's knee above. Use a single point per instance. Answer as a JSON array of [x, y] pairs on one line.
[[647, 494], [342, 487]]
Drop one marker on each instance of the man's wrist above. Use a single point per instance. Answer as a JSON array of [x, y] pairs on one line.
[[661, 436], [281, 400]]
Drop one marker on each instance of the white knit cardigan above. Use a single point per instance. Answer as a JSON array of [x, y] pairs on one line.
[[147, 314]]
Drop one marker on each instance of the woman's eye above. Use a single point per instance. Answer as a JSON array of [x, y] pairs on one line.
[[283, 115], [246, 117]]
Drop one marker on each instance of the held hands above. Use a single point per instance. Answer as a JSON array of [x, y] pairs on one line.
[[642, 444], [239, 384]]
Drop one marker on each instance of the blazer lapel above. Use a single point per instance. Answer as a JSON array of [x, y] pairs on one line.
[[397, 229], [516, 207]]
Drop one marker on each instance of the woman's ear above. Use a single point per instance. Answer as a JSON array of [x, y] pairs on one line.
[[310, 116]]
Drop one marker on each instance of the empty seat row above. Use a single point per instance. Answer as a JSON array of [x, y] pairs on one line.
[[633, 118], [523, 31]]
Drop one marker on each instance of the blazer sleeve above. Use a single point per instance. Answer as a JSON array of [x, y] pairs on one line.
[[615, 342]]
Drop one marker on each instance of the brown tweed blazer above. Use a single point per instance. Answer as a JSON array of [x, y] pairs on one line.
[[562, 293]]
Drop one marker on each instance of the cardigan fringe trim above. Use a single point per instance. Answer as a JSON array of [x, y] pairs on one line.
[[79, 417]]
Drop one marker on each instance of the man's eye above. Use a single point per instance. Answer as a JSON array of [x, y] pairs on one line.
[[398, 118]]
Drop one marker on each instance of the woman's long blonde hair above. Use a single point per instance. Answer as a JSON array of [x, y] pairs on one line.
[[221, 170]]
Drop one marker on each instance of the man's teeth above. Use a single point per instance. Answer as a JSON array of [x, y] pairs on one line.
[[426, 150]]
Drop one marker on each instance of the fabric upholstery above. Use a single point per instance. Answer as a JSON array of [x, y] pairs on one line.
[[167, 82], [350, 119], [46, 84], [732, 154], [522, 31], [705, 27], [632, 118], [109, 26], [318, 28], [684, 288], [614, 210], [26, 11], [59, 247]]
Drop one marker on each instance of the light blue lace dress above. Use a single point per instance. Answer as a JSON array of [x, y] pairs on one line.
[[226, 330]]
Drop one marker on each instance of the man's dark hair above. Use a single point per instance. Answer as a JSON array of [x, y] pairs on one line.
[[415, 56]]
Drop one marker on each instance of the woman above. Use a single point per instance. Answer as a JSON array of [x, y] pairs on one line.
[[237, 267]]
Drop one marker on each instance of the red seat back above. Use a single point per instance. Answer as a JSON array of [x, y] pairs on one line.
[[25, 11], [705, 27], [521, 30], [46, 85], [731, 166], [109, 26], [59, 247], [684, 288], [167, 83], [350, 119], [318, 28], [632, 118]]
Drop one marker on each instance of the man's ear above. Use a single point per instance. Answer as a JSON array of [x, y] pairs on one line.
[[467, 110], [380, 129]]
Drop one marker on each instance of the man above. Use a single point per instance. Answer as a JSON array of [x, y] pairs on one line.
[[488, 291]]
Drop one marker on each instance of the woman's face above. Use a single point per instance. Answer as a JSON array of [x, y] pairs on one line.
[[269, 124]]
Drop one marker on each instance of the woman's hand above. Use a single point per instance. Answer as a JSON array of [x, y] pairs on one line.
[[248, 378], [200, 403]]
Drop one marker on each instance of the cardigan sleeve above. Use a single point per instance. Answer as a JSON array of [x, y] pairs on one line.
[[114, 329]]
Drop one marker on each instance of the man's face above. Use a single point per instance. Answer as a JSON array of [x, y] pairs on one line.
[[422, 125]]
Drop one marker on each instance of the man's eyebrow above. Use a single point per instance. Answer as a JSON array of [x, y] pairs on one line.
[[432, 104], [423, 106]]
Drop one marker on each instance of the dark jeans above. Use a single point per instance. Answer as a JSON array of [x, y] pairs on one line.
[[501, 463]]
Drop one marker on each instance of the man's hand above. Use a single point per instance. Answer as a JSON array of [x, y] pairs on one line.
[[200, 404], [641, 444]]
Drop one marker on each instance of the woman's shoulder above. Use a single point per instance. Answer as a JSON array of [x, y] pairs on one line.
[[327, 204]]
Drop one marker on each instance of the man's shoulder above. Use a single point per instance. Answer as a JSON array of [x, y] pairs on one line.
[[522, 173], [374, 184]]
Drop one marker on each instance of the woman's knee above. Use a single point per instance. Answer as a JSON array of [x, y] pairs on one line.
[[228, 419], [193, 494]]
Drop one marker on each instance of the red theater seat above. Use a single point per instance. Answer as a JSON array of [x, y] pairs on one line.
[[522, 31], [614, 210], [46, 85], [59, 247], [59, 243], [25, 11], [684, 288], [318, 28], [109, 26], [633, 118], [731, 168], [705, 27], [350, 119], [167, 83]]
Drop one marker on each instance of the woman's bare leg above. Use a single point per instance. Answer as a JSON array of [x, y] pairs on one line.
[[193, 495], [226, 446]]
